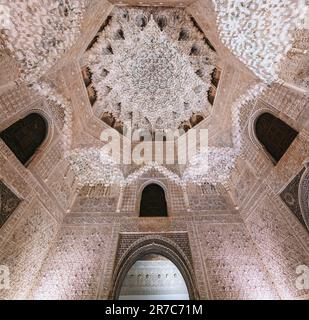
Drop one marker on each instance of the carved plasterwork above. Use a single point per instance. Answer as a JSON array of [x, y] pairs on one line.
[[24, 250], [145, 65], [303, 196], [61, 241], [243, 24], [281, 249], [55, 26], [8, 203], [290, 195], [233, 266], [74, 264], [127, 255]]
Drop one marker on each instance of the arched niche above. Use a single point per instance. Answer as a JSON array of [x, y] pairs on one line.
[[271, 134], [154, 277], [154, 245], [303, 195], [153, 201], [26, 136]]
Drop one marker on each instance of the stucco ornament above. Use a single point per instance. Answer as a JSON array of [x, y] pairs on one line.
[[38, 32], [221, 161], [146, 78], [259, 33], [93, 166]]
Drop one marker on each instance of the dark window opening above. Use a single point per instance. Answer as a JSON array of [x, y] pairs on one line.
[[119, 35], [105, 24], [93, 42], [153, 202], [195, 51], [108, 50], [196, 119], [141, 21], [162, 22], [87, 76], [184, 35], [212, 95], [25, 136], [92, 94], [108, 119], [275, 135], [215, 77]]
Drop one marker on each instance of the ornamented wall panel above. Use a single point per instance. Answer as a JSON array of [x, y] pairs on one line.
[[282, 244], [220, 124], [9, 201], [10, 174], [285, 100], [256, 158], [14, 174], [127, 239], [243, 181], [75, 263], [232, 263], [62, 184], [129, 199], [8, 68], [290, 164], [25, 248], [200, 204], [51, 158], [57, 113], [14, 100], [176, 198], [95, 202], [295, 67], [290, 197]]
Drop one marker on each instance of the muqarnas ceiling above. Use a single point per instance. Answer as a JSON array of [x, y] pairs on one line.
[[152, 68]]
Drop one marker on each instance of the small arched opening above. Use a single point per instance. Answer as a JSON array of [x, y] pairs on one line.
[[25, 136], [274, 135], [153, 201]]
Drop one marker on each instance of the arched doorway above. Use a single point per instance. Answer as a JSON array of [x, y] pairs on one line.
[[160, 248], [153, 202], [25, 136], [274, 135], [154, 277]]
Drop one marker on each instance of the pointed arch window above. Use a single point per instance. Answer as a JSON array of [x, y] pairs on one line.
[[153, 202], [274, 135], [25, 136]]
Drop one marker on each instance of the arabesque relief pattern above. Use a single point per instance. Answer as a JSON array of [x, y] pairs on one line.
[[61, 241]]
